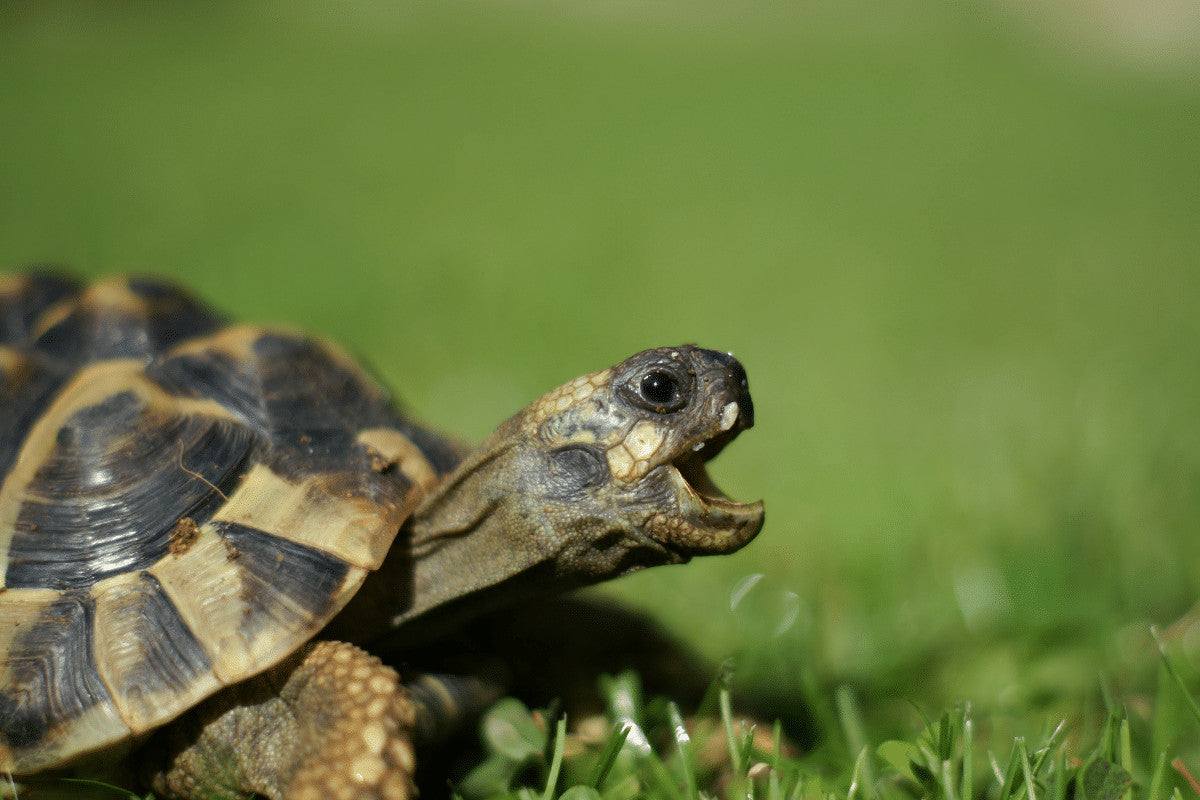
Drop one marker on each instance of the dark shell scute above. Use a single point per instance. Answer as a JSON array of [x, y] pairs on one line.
[[52, 673], [294, 393], [90, 333], [27, 385], [305, 385], [150, 288], [217, 376], [318, 405], [173, 316], [169, 658], [283, 580], [115, 483], [38, 291], [86, 335]]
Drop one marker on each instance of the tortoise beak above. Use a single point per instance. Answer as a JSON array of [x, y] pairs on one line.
[[712, 522], [716, 523]]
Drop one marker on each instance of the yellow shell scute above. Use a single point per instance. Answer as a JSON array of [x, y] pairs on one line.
[[389, 447], [349, 528]]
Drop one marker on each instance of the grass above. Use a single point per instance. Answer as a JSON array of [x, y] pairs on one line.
[[648, 749], [958, 257]]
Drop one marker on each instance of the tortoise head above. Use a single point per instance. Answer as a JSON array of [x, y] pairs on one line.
[[600, 477], [621, 459]]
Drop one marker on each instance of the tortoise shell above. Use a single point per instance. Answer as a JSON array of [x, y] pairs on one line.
[[183, 503]]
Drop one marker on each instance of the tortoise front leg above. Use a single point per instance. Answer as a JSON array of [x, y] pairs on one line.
[[332, 722]]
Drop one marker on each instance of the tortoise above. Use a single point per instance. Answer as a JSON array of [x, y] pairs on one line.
[[205, 525]]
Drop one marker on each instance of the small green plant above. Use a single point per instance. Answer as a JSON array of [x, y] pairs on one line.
[[650, 749]]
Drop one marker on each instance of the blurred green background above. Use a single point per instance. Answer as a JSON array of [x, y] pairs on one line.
[[957, 246]]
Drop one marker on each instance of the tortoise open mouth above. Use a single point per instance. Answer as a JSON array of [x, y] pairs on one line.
[[716, 523], [692, 467]]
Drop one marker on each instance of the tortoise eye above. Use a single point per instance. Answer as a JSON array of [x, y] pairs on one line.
[[659, 388], [661, 391]]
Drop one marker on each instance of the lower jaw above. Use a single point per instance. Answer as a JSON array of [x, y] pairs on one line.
[[722, 530], [716, 526]]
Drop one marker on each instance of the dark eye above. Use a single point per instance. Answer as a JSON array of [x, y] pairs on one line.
[[659, 388]]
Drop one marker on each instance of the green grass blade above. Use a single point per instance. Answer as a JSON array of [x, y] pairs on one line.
[[777, 746], [560, 742], [99, 784], [1175, 677], [1047, 748], [948, 780], [683, 746], [1062, 779], [1157, 778], [738, 758], [855, 732], [1029, 773], [580, 793], [851, 720], [774, 787], [858, 778], [608, 757], [662, 782], [996, 771], [1126, 757], [1008, 782], [967, 785]]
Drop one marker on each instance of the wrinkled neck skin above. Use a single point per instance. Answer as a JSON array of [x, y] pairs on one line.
[[496, 532]]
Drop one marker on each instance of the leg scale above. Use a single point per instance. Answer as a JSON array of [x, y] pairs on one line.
[[332, 723]]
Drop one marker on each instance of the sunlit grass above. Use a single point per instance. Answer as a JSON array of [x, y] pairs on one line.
[[650, 751]]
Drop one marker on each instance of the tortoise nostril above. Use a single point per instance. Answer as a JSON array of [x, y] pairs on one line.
[[727, 369], [746, 404]]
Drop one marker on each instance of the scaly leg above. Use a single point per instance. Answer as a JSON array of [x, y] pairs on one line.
[[332, 722]]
